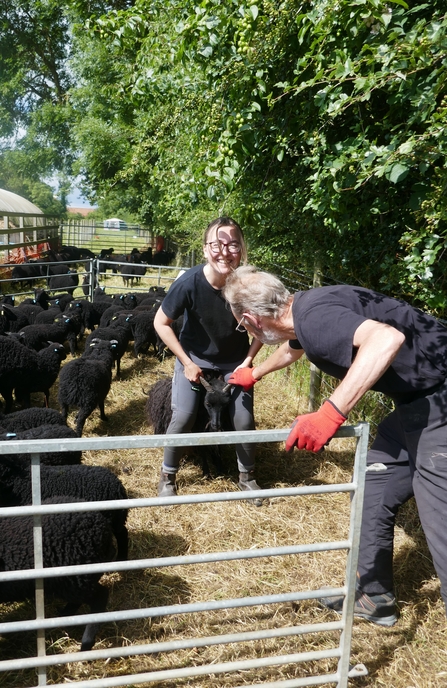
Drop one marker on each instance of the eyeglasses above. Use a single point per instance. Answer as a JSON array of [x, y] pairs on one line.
[[218, 246], [239, 326]]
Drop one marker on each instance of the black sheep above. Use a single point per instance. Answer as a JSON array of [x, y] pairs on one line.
[[216, 395], [89, 316], [61, 301], [67, 282], [69, 539], [47, 317], [143, 332], [128, 301], [41, 298], [12, 319], [109, 313], [119, 335], [30, 418], [91, 483], [30, 310], [38, 335], [44, 432], [26, 274], [131, 272], [85, 382], [26, 371]]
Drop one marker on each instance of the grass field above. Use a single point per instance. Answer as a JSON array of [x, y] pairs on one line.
[[412, 654]]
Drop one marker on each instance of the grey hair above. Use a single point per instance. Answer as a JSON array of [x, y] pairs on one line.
[[249, 290]]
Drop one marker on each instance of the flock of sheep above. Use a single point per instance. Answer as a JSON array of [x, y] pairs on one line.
[[34, 338]]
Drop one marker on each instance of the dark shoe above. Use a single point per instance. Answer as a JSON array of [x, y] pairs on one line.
[[166, 486], [248, 483], [380, 609]]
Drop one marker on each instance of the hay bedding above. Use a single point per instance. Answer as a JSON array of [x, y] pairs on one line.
[[394, 657]]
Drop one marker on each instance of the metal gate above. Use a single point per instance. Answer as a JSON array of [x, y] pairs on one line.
[[339, 652]]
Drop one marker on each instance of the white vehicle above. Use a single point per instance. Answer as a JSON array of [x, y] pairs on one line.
[[115, 223]]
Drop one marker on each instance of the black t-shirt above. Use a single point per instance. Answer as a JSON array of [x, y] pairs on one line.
[[326, 318], [209, 333]]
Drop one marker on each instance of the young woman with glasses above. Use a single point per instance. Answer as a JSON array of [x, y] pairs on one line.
[[210, 339]]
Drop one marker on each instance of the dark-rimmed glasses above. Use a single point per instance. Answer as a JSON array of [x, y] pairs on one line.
[[218, 246]]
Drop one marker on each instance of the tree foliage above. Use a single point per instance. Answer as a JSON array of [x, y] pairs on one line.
[[321, 126]]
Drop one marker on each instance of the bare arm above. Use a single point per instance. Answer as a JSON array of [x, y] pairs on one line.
[[162, 325], [377, 346], [255, 346], [281, 358]]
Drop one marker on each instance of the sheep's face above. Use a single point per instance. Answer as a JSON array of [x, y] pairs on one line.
[[217, 398]]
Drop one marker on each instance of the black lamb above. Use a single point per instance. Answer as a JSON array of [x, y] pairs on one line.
[[27, 371], [92, 483], [45, 432], [69, 539], [216, 395], [85, 382]]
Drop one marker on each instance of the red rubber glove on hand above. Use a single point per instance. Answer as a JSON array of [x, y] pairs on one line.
[[312, 430], [243, 377]]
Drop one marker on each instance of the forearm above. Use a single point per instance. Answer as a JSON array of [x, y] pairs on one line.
[[255, 346], [168, 336], [281, 358]]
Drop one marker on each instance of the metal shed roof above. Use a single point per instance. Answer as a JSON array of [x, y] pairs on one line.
[[13, 203]]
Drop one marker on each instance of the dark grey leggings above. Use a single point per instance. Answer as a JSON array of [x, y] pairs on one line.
[[410, 453], [185, 404]]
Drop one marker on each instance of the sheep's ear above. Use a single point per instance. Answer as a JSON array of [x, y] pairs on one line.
[[206, 384]]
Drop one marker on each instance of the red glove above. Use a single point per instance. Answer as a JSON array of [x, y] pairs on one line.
[[243, 377], [313, 430]]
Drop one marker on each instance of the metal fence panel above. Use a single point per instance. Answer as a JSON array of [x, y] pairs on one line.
[[341, 652]]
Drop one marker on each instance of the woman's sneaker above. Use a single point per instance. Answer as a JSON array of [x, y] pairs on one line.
[[380, 609]]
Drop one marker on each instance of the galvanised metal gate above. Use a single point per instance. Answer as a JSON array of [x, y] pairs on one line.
[[340, 652]]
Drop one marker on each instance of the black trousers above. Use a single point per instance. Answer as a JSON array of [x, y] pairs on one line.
[[408, 457]]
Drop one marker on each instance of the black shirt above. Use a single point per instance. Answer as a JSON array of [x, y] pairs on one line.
[[209, 333], [326, 318]]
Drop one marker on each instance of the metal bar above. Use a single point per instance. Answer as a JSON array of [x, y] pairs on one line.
[[38, 563], [205, 498], [151, 612], [203, 670], [151, 441], [353, 554], [163, 562], [155, 648]]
